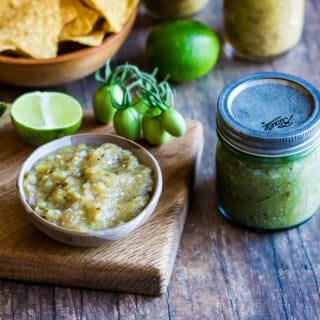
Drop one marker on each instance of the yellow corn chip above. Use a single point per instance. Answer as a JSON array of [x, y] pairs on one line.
[[7, 45], [131, 5], [83, 22], [114, 11], [68, 11], [92, 39], [32, 26]]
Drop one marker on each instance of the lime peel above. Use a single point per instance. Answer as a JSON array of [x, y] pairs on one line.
[[182, 49]]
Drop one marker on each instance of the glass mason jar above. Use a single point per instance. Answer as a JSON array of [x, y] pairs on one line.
[[167, 9], [263, 29], [268, 151]]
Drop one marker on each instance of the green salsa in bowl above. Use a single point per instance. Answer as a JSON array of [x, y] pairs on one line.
[[87, 189]]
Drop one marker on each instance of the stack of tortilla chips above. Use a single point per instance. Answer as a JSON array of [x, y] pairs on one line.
[[34, 28]]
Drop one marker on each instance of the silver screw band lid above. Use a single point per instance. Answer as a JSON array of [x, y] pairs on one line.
[[269, 114]]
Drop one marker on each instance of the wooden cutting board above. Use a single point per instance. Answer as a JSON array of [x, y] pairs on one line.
[[141, 263]]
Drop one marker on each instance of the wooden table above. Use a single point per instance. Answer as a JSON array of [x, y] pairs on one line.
[[221, 271]]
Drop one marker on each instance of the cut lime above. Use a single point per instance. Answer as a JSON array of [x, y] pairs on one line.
[[40, 117]]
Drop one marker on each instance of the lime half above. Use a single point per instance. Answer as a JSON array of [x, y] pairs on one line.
[[40, 117]]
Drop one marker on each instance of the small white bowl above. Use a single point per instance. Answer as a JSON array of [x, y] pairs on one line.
[[94, 238]]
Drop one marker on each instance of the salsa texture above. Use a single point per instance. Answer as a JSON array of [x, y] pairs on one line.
[[263, 28], [267, 194], [88, 188]]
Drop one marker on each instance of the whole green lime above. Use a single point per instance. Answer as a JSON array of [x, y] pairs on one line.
[[182, 49]]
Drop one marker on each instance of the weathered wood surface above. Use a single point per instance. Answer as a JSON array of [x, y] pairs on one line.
[[221, 272], [140, 263]]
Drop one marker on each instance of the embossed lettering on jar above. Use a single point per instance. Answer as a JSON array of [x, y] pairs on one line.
[[268, 152]]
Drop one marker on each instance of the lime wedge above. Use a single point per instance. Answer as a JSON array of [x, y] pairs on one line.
[[40, 117]]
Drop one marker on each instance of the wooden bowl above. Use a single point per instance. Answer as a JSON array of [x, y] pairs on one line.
[[30, 72], [94, 238]]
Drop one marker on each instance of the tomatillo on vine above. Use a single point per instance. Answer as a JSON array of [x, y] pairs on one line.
[[140, 105], [126, 123], [110, 90], [153, 132], [161, 99], [127, 94], [173, 122], [102, 103]]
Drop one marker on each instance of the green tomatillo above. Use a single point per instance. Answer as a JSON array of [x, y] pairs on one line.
[[102, 103], [140, 105], [173, 122], [126, 123], [153, 132], [127, 95]]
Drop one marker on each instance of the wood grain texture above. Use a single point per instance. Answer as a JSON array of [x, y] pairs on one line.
[[140, 263], [221, 271]]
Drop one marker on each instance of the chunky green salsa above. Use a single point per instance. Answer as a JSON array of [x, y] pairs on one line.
[[87, 188], [264, 193]]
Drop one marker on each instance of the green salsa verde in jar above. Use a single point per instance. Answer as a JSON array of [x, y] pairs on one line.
[[169, 9], [263, 29], [268, 151]]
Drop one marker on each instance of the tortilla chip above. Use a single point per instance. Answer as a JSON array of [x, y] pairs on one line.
[[114, 11], [24, 25], [131, 5], [34, 27], [82, 24], [92, 39], [67, 11], [7, 45]]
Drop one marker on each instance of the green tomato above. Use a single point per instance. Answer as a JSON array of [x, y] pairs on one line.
[[173, 122], [102, 104], [153, 112], [126, 122], [141, 106], [153, 131]]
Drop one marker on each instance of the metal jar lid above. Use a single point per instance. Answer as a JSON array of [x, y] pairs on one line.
[[269, 114]]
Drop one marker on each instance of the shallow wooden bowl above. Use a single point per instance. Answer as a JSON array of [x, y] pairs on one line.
[[95, 238], [67, 67]]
